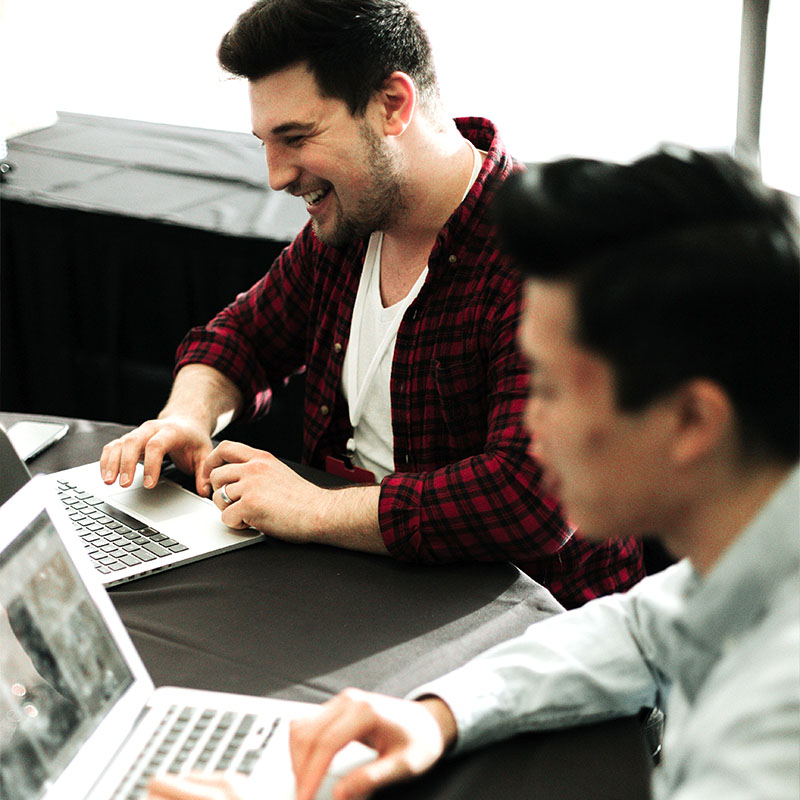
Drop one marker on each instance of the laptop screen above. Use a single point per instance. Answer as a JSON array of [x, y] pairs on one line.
[[60, 670]]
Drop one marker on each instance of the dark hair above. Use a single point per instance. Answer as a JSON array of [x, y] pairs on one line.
[[684, 265], [351, 46]]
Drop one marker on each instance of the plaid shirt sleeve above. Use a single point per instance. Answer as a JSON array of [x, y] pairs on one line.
[[258, 340]]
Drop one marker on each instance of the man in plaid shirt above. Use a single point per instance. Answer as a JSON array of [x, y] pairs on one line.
[[397, 302]]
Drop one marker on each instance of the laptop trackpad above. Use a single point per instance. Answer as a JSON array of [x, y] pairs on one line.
[[164, 502]]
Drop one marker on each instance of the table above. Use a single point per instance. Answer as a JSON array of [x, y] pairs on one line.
[[303, 622]]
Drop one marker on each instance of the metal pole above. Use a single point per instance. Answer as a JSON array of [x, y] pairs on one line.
[[751, 80]]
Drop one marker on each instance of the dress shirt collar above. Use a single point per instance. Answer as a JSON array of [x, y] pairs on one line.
[[452, 247], [741, 587]]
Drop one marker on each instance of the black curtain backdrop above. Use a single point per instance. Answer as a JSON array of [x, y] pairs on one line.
[[93, 306]]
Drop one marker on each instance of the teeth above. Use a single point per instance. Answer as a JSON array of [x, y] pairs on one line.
[[314, 197]]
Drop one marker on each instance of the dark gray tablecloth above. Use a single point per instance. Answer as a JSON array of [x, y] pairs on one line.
[[302, 622], [204, 179]]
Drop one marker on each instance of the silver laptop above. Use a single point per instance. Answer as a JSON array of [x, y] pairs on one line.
[[132, 532], [79, 717]]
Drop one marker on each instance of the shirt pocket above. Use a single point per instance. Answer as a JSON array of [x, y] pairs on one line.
[[463, 402]]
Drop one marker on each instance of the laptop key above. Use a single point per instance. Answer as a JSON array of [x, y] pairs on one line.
[[251, 757], [156, 549]]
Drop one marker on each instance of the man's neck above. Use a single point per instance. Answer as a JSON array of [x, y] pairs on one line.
[[439, 167], [720, 513]]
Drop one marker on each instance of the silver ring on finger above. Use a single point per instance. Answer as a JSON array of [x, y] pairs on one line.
[[224, 495]]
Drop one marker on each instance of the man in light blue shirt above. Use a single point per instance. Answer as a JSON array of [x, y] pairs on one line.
[[661, 326]]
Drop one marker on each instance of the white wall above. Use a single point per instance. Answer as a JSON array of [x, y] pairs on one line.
[[780, 112], [609, 79], [594, 78]]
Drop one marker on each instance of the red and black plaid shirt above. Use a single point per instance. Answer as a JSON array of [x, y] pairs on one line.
[[465, 488]]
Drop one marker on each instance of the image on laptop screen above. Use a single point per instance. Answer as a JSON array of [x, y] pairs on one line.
[[60, 672]]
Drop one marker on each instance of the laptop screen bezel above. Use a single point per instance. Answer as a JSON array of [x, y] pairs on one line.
[[99, 749]]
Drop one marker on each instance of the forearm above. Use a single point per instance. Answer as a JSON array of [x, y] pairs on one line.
[[204, 395], [264, 493], [581, 666], [348, 518]]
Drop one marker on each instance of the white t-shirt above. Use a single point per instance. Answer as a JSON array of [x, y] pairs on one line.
[[367, 370], [368, 365]]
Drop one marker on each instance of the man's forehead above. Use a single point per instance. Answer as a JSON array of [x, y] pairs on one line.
[[550, 308], [288, 97]]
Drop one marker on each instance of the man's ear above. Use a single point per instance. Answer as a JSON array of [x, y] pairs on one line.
[[398, 99], [705, 417]]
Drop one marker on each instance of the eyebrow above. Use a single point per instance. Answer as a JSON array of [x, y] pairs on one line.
[[286, 127]]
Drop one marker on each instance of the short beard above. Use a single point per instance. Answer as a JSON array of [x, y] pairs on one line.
[[384, 202]]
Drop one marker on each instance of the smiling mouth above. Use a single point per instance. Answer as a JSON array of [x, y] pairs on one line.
[[316, 197]]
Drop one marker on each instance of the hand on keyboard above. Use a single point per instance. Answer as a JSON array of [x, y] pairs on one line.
[[179, 439]]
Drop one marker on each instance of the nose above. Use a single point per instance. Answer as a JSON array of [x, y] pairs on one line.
[[281, 171]]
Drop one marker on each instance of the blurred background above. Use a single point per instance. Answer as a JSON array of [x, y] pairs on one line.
[[580, 77]]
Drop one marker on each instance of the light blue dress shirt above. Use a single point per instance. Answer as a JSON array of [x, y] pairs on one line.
[[721, 654]]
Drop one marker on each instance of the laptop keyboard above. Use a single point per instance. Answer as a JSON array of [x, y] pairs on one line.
[[189, 739], [113, 539]]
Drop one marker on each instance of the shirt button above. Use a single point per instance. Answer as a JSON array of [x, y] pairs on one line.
[[452, 259], [324, 410], [337, 348]]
